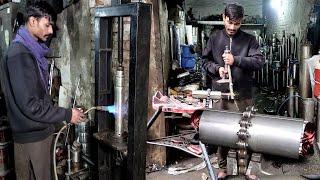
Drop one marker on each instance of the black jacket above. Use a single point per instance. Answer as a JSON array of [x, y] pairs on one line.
[[247, 58], [30, 110]]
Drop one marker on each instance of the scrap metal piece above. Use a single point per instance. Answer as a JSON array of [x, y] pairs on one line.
[[180, 141]]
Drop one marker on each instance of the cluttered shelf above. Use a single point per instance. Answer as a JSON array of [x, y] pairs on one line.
[[221, 23]]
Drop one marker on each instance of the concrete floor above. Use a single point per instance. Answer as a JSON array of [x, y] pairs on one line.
[[280, 168]]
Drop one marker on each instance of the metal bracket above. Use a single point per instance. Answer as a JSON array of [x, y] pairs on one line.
[[254, 167], [232, 163]]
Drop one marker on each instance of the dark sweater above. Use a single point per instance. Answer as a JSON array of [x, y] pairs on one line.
[[247, 58], [30, 110]]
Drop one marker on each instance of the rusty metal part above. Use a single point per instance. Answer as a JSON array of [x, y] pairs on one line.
[[180, 141], [195, 119], [308, 139]]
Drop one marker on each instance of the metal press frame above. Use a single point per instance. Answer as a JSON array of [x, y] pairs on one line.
[[140, 26]]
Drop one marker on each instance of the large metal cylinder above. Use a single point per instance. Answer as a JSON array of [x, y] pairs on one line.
[[304, 81], [119, 99], [268, 134]]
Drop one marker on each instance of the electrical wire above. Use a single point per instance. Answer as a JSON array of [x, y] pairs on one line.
[[90, 109], [54, 152], [60, 132], [283, 102], [265, 172]]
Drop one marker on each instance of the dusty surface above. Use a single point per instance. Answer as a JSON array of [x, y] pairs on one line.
[[280, 168]]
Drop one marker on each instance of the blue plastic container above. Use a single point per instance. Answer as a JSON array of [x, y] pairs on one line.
[[188, 62], [185, 51], [187, 59]]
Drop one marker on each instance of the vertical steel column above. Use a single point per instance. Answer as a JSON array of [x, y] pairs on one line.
[[138, 94], [102, 88], [304, 83], [291, 101]]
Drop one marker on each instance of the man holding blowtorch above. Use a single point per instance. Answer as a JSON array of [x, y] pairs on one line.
[[25, 83]]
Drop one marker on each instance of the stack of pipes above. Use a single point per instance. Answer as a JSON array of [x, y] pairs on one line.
[[284, 70], [281, 62]]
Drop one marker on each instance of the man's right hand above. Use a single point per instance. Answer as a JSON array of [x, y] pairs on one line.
[[77, 116], [222, 72]]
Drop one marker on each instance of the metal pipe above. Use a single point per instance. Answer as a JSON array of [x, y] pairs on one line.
[[288, 72], [207, 161], [294, 70], [69, 159], [170, 23], [267, 71], [87, 159], [295, 46], [120, 40], [262, 76], [284, 75], [119, 95], [280, 50], [308, 109], [268, 134], [304, 81], [273, 79], [291, 102], [154, 117], [296, 94], [75, 152], [288, 45], [283, 47]]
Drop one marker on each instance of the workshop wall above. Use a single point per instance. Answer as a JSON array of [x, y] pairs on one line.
[[160, 63], [73, 44], [202, 8], [289, 15]]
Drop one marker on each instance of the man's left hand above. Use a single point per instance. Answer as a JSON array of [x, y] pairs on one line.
[[228, 59]]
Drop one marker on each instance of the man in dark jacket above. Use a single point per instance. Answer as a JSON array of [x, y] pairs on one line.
[[30, 109], [245, 57]]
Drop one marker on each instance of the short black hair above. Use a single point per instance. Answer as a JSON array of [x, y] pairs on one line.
[[234, 11], [41, 9]]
